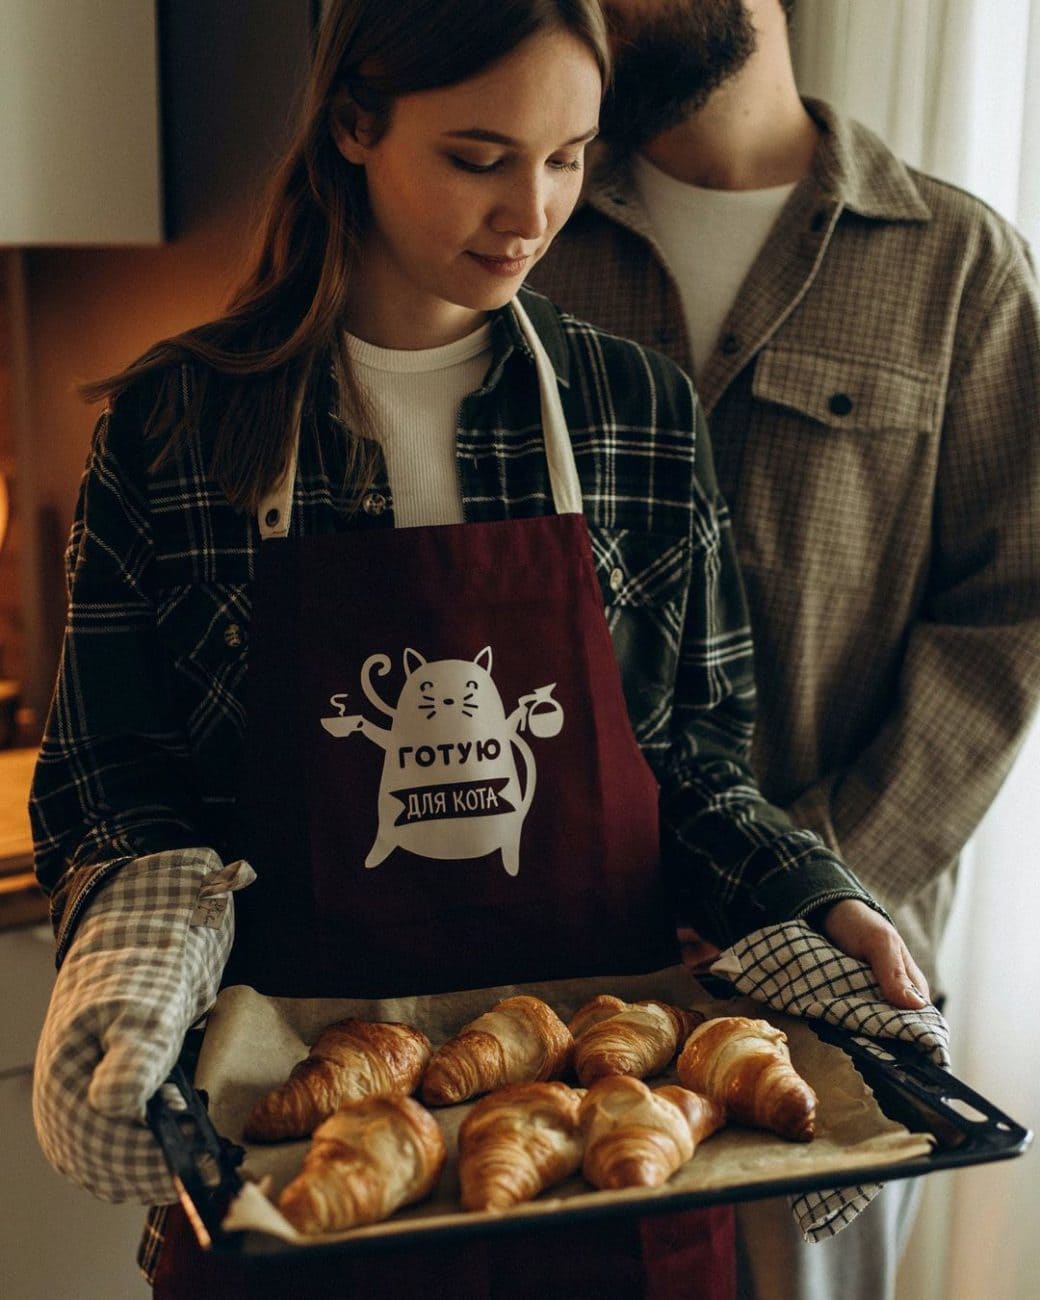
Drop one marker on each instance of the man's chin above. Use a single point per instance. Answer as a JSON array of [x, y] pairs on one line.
[[628, 121], [669, 62]]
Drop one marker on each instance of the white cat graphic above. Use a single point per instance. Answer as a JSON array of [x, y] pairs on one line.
[[450, 787]]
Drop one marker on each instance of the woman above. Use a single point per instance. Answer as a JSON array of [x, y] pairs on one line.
[[403, 494]]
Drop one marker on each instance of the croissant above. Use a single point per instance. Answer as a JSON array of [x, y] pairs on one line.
[[517, 1142], [635, 1137], [520, 1040], [364, 1162], [638, 1038], [351, 1059], [745, 1064]]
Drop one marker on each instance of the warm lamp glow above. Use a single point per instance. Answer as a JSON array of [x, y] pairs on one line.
[[3, 510]]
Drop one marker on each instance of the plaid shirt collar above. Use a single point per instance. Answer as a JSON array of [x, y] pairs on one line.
[[507, 341], [852, 169]]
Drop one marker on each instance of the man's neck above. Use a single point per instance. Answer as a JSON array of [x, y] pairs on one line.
[[754, 132]]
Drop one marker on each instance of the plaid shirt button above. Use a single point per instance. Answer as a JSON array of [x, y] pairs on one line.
[[617, 579], [729, 344], [233, 635], [374, 503]]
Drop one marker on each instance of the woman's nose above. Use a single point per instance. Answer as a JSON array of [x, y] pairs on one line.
[[523, 211]]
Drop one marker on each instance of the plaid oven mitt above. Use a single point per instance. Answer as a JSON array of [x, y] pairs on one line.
[[794, 969], [145, 964]]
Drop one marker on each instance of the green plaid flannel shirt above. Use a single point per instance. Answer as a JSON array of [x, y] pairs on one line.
[[143, 743]]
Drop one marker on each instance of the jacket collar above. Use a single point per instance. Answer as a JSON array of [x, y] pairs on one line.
[[852, 167], [546, 321], [507, 337]]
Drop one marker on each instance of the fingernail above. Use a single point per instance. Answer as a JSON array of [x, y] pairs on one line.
[[915, 991]]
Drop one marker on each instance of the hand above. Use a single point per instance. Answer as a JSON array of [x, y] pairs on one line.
[[697, 954], [861, 932], [145, 963]]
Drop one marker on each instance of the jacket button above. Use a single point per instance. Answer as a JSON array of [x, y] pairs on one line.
[[617, 579], [374, 503], [840, 404], [729, 345], [272, 517]]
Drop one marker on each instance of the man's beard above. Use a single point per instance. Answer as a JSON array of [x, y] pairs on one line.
[[667, 64]]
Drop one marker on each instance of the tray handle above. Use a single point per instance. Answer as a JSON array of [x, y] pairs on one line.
[[961, 1114], [203, 1164]]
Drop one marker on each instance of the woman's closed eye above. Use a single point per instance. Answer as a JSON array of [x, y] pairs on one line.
[[468, 165], [483, 169]]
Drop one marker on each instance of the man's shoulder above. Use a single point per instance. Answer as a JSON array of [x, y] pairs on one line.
[[955, 216], [630, 368], [967, 215]]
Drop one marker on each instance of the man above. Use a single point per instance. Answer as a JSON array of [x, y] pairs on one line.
[[866, 343]]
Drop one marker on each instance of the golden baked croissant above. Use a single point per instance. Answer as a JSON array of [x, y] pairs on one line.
[[364, 1162], [518, 1141], [520, 1040], [635, 1038], [635, 1137], [745, 1065], [351, 1059]]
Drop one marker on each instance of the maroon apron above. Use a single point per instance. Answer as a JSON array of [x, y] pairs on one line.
[[442, 791]]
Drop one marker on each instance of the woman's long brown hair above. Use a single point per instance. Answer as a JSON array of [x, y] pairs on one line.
[[285, 315]]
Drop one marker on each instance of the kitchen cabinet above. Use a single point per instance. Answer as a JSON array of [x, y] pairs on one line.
[[80, 157]]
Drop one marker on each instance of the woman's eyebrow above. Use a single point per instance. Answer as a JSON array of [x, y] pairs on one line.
[[496, 137]]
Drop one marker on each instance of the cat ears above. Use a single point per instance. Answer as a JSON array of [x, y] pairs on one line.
[[413, 660]]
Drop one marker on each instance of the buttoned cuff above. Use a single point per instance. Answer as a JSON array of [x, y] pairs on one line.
[[791, 894]]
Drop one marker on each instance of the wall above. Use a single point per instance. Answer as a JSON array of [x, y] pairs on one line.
[[229, 77], [80, 166], [12, 620]]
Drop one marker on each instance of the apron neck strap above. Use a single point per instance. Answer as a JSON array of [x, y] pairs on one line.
[[275, 511], [563, 472]]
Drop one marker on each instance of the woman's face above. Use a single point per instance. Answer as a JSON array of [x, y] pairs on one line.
[[467, 187]]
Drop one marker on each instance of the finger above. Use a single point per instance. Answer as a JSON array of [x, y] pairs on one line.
[[698, 956], [888, 961], [898, 985], [916, 976]]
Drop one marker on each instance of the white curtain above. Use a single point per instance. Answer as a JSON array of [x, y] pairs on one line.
[[954, 87]]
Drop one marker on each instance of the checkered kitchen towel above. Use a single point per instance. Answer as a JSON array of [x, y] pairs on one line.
[[145, 964], [794, 969]]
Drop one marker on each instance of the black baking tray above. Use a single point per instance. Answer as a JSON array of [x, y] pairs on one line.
[[967, 1128]]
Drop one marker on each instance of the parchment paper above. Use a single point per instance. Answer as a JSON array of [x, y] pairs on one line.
[[252, 1042]]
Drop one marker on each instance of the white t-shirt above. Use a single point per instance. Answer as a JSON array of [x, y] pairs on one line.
[[415, 398], [709, 238]]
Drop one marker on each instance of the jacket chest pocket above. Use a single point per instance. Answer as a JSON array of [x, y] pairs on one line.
[[835, 469], [644, 579], [204, 627]]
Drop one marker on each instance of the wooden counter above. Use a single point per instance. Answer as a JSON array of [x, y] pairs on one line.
[[21, 900]]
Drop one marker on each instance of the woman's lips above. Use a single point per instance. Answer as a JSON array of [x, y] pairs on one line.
[[504, 266]]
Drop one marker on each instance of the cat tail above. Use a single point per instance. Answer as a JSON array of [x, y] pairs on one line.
[[381, 663]]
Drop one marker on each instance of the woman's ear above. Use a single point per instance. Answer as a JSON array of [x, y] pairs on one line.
[[353, 131]]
